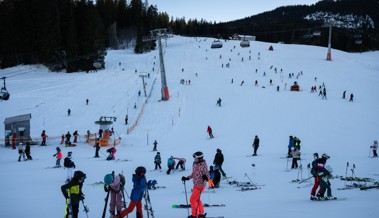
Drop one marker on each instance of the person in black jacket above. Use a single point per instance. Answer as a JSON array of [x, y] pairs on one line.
[[69, 165], [255, 145], [72, 191], [218, 161]]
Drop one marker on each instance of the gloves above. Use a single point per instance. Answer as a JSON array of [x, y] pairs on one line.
[[210, 184], [205, 178], [106, 188], [184, 178]]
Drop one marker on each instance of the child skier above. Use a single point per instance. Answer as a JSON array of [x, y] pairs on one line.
[[97, 146], [155, 145], [200, 176], [181, 163], [139, 185], [112, 151], [69, 165], [215, 176], [20, 152], [27, 151], [170, 164], [115, 185], [295, 153], [209, 130], [325, 175], [43, 136], [157, 161], [72, 191], [59, 157]]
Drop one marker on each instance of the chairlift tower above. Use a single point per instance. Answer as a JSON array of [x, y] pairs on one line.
[[157, 35], [329, 54]]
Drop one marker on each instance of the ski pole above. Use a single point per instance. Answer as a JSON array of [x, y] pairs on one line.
[[347, 166], [105, 206], [185, 191], [287, 165], [85, 208], [305, 179], [251, 180]]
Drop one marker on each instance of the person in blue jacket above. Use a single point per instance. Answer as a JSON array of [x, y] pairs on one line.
[[139, 186], [291, 144]]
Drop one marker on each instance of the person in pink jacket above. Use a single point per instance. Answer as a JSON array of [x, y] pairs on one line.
[[200, 176]]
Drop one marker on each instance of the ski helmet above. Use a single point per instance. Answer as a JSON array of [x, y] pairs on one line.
[[198, 155], [69, 153], [58, 148], [325, 156], [140, 171], [79, 175], [108, 179]]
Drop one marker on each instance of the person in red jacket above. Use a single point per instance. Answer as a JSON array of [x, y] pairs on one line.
[[209, 130], [200, 176], [43, 135]]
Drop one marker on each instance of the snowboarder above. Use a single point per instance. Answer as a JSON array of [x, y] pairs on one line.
[[295, 153], [209, 130], [255, 145], [200, 176], [115, 185], [181, 163], [375, 148], [43, 135], [75, 134], [218, 161], [72, 191], [155, 145], [112, 151], [215, 176], [157, 161], [27, 151], [69, 165], [21, 152], [351, 97], [139, 185], [317, 166], [97, 146], [59, 156], [170, 164]]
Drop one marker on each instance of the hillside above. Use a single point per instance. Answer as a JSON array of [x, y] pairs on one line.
[[342, 129]]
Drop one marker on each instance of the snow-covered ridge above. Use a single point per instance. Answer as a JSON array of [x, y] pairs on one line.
[[348, 21]]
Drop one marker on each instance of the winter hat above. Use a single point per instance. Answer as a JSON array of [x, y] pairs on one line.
[[69, 153], [79, 175], [140, 171], [158, 152], [58, 149], [108, 179]]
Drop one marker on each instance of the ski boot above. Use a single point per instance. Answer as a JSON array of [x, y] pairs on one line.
[[202, 215]]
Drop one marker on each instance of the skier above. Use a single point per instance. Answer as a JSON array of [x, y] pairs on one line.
[[297, 143], [209, 130], [115, 185], [75, 134], [126, 119], [112, 151], [151, 184], [325, 175], [375, 148], [87, 101], [69, 165], [43, 135], [324, 94], [62, 139], [155, 145], [139, 185], [317, 166], [59, 157], [291, 144], [88, 135], [97, 146], [69, 112], [200, 176], [215, 176], [218, 161], [343, 94], [157, 161], [170, 164], [219, 102], [72, 191], [295, 153], [181, 163], [27, 151], [68, 139], [255, 145], [20, 152], [351, 97]]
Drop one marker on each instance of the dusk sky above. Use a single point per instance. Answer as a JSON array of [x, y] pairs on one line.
[[221, 10]]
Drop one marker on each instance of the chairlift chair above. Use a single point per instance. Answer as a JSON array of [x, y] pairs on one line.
[[4, 94], [216, 44], [245, 43]]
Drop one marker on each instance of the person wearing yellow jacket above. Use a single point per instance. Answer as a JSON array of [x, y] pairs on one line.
[[72, 191]]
